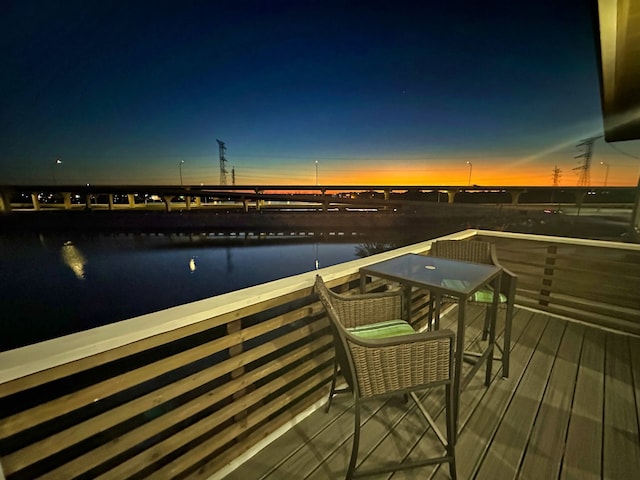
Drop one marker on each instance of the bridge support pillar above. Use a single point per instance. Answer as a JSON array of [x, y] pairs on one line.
[[5, 202], [66, 196], [387, 194], [35, 201], [451, 194], [167, 202], [245, 204], [515, 195], [110, 196], [132, 200], [87, 201], [187, 201], [579, 195], [198, 201]]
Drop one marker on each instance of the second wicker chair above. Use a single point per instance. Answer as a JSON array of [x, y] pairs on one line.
[[478, 251]]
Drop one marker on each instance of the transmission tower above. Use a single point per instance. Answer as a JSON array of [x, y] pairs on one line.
[[223, 162], [233, 176], [585, 168], [556, 176]]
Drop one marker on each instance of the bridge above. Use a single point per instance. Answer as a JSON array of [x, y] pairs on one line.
[[245, 197]]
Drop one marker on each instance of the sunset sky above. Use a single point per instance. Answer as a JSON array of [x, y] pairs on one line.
[[375, 92]]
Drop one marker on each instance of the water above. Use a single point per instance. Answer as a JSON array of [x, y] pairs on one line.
[[53, 285]]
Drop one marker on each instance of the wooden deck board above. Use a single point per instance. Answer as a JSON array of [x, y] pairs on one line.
[[572, 399], [585, 424], [482, 424], [545, 450], [621, 447], [510, 442]]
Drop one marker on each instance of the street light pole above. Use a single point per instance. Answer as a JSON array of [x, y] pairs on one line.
[[180, 168], [316, 172], [470, 170], [606, 172]]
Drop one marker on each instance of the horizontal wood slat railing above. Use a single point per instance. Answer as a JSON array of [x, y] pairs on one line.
[[591, 281], [186, 400], [174, 407]]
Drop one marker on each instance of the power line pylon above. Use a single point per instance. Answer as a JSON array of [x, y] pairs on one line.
[[233, 176], [556, 176], [585, 168], [223, 162]]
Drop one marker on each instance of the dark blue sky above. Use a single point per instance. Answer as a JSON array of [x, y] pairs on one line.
[[384, 92]]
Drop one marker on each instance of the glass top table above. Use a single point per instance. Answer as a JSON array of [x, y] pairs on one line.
[[451, 277], [445, 277]]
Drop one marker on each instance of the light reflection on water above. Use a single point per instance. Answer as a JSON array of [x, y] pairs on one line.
[[55, 284], [74, 259]]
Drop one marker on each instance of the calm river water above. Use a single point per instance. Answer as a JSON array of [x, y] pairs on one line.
[[56, 284]]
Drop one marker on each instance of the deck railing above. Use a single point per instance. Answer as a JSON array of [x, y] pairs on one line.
[[591, 281], [186, 391]]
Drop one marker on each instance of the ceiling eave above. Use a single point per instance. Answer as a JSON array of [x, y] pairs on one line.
[[618, 44]]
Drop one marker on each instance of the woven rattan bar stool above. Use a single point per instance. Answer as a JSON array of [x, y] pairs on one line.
[[478, 251], [381, 356]]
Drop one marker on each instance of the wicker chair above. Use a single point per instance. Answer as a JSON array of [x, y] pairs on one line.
[[375, 365], [484, 252]]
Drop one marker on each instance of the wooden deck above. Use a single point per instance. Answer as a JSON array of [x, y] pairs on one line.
[[569, 410]]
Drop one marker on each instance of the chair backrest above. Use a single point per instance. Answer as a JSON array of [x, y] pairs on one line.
[[424, 361], [343, 356], [476, 251]]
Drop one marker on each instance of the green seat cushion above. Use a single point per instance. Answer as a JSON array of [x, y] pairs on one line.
[[484, 295], [390, 328], [454, 284]]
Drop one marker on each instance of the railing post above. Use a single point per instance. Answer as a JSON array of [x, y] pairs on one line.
[[234, 350], [549, 262]]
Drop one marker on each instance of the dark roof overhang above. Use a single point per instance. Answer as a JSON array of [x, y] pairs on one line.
[[618, 45]]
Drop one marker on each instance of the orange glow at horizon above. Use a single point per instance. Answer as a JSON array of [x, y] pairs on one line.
[[523, 176], [418, 170]]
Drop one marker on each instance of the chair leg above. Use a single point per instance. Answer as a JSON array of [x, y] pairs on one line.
[[334, 379], [356, 442], [506, 350], [451, 433], [487, 323]]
